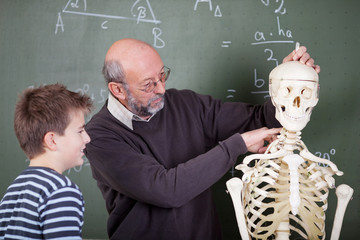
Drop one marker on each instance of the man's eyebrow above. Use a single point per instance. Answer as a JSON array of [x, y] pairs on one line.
[[148, 79], [162, 71]]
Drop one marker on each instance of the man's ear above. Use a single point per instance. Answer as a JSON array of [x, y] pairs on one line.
[[117, 90], [49, 141]]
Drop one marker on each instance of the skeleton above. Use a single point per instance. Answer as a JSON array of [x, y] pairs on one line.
[[283, 192]]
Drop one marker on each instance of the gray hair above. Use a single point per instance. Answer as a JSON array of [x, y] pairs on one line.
[[113, 72]]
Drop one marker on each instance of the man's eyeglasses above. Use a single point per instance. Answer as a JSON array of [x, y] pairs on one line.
[[163, 76]]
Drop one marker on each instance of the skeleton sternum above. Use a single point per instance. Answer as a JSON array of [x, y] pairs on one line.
[[293, 161]]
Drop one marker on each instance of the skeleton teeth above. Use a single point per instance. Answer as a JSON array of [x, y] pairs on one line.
[[294, 117]]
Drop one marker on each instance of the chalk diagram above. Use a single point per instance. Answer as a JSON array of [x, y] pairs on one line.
[[140, 12], [262, 38]]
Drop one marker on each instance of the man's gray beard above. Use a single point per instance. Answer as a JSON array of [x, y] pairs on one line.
[[148, 110]]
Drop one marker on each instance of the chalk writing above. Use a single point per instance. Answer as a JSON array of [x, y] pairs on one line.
[[261, 38], [325, 156], [202, 1], [280, 9], [103, 26], [141, 15], [217, 12], [98, 97], [283, 36], [76, 4], [260, 83], [140, 11], [59, 24], [158, 42], [231, 91], [271, 57], [103, 95], [225, 44]]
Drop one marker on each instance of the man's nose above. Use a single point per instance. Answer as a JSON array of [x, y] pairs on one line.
[[160, 87]]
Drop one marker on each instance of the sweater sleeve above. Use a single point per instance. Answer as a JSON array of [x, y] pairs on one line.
[[141, 177], [225, 118]]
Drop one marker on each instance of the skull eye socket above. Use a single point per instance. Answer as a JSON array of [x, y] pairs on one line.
[[306, 93], [284, 92]]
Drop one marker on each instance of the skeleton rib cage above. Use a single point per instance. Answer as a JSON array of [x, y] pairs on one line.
[[284, 194], [266, 202]]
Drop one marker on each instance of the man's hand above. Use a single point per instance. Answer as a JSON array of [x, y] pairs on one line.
[[302, 56], [255, 139]]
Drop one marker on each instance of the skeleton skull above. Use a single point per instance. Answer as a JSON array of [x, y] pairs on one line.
[[294, 92]]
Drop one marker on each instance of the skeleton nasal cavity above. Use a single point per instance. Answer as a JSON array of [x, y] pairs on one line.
[[297, 102]]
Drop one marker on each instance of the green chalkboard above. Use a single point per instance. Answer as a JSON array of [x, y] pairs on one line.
[[222, 48]]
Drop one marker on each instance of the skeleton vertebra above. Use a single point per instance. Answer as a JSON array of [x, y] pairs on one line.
[[284, 191]]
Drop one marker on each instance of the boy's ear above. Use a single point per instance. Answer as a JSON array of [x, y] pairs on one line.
[[50, 141], [117, 90]]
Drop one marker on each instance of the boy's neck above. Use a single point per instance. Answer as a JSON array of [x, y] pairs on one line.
[[42, 161]]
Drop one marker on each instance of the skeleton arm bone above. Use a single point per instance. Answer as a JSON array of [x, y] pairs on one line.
[[235, 186], [344, 194]]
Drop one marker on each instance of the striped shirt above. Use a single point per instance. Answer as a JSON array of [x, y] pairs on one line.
[[41, 204]]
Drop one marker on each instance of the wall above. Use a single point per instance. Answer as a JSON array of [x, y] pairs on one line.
[[222, 48]]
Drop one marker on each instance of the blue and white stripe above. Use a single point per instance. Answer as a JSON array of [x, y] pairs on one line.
[[41, 203]]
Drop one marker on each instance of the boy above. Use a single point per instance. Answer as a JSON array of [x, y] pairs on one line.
[[42, 203]]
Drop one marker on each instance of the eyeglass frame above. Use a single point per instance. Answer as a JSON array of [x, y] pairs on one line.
[[152, 84]]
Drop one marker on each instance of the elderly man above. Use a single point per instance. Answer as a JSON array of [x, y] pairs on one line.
[[155, 153]]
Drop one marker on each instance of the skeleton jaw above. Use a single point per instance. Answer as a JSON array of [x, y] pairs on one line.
[[292, 118], [295, 118]]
